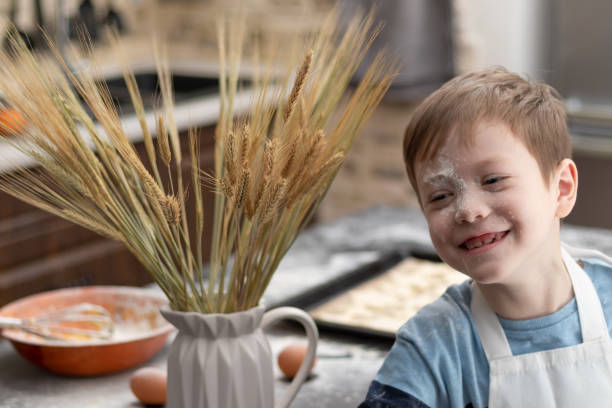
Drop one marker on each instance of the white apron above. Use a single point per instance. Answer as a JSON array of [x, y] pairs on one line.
[[576, 376]]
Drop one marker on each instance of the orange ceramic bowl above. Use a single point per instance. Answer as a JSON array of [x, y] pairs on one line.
[[140, 330]]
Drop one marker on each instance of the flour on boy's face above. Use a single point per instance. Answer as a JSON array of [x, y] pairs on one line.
[[489, 211]]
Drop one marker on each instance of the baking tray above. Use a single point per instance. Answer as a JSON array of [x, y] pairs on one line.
[[378, 298]]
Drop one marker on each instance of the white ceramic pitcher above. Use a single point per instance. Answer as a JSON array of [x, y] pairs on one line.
[[225, 360]]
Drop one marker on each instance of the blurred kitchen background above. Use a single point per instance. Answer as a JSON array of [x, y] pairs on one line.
[[562, 42]]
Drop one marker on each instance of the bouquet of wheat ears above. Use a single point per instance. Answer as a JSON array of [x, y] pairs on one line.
[[273, 164]]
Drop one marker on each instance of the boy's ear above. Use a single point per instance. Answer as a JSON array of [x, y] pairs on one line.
[[567, 186]]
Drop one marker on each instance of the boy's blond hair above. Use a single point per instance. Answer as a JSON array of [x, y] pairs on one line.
[[533, 112]]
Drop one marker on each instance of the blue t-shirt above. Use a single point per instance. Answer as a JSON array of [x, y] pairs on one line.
[[437, 359]]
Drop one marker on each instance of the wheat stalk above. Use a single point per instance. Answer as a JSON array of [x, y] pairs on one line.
[[296, 162], [272, 167]]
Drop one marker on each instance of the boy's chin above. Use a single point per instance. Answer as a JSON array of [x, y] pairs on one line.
[[482, 274], [491, 276]]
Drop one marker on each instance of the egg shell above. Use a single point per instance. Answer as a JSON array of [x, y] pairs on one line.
[[149, 385], [290, 359]]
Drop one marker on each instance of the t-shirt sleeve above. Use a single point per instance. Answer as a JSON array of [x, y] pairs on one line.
[[385, 396], [408, 366]]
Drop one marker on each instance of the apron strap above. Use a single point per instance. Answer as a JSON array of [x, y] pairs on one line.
[[592, 320], [490, 331]]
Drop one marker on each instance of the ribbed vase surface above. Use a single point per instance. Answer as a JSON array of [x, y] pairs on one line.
[[219, 360]]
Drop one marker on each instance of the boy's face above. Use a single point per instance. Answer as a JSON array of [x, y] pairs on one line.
[[489, 211]]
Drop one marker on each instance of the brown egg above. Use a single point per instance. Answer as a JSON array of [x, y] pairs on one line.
[[149, 385], [290, 359]]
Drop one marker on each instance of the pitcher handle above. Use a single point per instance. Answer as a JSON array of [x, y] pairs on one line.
[[312, 333]]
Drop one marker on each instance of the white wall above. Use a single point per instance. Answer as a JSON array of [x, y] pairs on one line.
[[511, 33]]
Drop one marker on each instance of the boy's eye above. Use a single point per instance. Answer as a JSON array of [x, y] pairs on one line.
[[439, 197], [492, 179]]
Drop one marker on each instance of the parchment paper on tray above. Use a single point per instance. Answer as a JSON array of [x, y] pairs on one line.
[[382, 304]]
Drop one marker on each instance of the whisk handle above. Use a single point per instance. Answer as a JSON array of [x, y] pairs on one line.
[[10, 322]]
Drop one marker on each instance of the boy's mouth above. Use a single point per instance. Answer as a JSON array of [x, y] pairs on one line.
[[483, 240]]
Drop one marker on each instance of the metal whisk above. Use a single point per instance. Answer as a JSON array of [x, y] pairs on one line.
[[83, 321]]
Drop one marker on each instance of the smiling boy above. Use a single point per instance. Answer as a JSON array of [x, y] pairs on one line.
[[488, 155]]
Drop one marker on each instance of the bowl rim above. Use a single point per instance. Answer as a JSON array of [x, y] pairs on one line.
[[150, 293]]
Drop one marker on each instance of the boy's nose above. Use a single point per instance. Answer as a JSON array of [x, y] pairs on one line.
[[470, 209]]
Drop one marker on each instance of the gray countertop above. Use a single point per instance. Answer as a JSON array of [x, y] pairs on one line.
[[320, 256]]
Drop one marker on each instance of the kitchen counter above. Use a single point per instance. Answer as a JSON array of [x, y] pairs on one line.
[[194, 112], [198, 112], [319, 258], [343, 371]]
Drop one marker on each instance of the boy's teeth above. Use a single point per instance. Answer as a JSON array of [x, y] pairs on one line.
[[485, 240]]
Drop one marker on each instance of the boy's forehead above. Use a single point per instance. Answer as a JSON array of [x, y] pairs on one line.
[[450, 149], [461, 137], [461, 147], [441, 166], [447, 138]]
